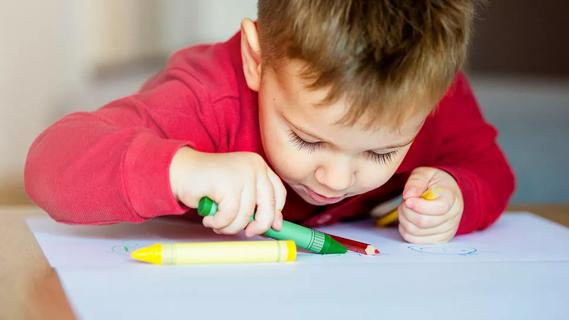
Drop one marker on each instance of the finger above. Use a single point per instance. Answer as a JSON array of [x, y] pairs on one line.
[[421, 221], [439, 206], [278, 222], [280, 190], [280, 198], [432, 239], [227, 210], [206, 221], [412, 229], [265, 214], [246, 210], [418, 182]]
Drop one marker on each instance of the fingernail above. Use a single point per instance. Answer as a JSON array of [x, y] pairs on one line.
[[278, 225], [409, 192], [409, 203]]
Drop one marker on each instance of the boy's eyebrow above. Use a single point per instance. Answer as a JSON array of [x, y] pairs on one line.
[[324, 140]]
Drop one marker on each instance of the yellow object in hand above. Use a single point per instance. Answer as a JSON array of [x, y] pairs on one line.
[[393, 215], [217, 252]]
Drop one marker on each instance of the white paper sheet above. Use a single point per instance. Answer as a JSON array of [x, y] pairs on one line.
[[515, 237], [518, 268], [476, 291]]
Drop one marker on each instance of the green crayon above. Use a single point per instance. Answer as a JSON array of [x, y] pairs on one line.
[[304, 237]]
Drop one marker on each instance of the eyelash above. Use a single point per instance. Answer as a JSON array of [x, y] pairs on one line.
[[301, 144], [381, 158]]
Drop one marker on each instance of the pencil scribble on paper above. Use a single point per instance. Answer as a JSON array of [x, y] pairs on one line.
[[444, 250]]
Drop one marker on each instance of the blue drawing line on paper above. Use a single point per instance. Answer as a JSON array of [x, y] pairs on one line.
[[445, 250], [125, 249]]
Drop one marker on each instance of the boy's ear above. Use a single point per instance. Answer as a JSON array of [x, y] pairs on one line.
[[251, 54]]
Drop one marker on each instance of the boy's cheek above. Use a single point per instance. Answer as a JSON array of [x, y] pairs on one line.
[[289, 163], [374, 176]]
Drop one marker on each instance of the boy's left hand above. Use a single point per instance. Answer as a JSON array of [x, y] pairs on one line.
[[430, 221]]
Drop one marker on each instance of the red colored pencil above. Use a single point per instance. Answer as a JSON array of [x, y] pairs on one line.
[[356, 246]]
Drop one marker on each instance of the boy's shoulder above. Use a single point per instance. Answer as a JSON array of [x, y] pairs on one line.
[[210, 69]]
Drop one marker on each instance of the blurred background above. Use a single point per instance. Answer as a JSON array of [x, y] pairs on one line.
[[60, 56]]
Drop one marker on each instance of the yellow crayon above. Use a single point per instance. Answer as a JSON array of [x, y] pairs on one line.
[[217, 252], [393, 216]]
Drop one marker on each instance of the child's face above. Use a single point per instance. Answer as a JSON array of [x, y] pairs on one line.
[[324, 162]]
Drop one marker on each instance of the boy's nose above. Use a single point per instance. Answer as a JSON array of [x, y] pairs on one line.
[[337, 177]]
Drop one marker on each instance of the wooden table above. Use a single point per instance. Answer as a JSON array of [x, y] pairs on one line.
[[30, 289]]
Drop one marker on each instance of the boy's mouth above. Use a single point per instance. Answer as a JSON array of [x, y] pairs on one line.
[[320, 199]]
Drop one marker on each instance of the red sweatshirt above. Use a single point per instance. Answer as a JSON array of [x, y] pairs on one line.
[[112, 165]]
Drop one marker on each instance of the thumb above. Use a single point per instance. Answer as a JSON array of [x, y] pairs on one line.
[[418, 182]]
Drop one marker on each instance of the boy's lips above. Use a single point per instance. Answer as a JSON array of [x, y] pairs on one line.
[[321, 199]]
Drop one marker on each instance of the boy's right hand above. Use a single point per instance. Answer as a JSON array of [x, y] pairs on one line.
[[239, 182]]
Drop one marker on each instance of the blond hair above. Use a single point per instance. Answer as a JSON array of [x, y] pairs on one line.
[[386, 57]]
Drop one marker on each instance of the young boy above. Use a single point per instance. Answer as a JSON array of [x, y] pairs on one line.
[[318, 111]]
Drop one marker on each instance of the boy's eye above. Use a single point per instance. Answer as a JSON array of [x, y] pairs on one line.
[[302, 144], [381, 158]]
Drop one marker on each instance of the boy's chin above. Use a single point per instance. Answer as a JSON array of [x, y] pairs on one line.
[[305, 195], [309, 200]]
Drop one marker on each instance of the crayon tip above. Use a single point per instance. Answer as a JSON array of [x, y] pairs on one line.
[[388, 219], [431, 194], [332, 246], [152, 254]]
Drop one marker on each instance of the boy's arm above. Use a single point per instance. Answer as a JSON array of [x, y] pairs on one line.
[[112, 165], [469, 152]]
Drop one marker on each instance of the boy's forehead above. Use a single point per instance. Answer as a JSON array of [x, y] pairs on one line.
[[288, 76], [303, 108], [294, 90]]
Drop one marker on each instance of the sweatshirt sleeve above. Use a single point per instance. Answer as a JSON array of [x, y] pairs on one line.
[[112, 165], [470, 153]]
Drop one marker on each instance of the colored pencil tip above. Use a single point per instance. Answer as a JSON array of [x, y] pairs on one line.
[[371, 250]]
